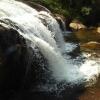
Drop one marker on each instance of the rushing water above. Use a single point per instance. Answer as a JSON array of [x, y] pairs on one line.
[[43, 30]]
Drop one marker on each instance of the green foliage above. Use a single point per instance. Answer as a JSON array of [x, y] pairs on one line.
[[82, 9], [54, 6]]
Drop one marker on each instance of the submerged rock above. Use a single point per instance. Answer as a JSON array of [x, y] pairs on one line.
[[23, 69], [91, 45]]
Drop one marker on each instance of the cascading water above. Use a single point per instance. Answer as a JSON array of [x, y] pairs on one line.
[[43, 30]]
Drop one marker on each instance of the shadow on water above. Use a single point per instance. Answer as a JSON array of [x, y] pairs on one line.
[[69, 93]]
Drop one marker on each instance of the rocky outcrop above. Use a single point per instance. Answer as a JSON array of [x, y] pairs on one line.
[[37, 6], [21, 66], [13, 53], [61, 20]]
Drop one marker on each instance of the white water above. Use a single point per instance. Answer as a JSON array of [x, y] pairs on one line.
[[41, 28]]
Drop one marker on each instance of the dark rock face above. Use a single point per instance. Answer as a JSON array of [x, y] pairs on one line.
[[20, 65], [13, 53], [37, 6], [11, 48]]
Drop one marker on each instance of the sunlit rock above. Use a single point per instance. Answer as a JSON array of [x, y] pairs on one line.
[[98, 29], [87, 35], [76, 25]]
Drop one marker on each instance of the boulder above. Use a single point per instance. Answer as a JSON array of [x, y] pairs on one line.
[[76, 25], [21, 67], [61, 20], [37, 6], [13, 51], [98, 29]]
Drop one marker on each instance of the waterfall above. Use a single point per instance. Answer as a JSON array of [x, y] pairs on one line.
[[43, 30], [30, 25]]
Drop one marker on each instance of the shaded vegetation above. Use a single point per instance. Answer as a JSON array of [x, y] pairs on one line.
[[86, 11], [54, 5]]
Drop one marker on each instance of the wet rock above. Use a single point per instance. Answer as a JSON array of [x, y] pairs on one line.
[[21, 67], [13, 51], [98, 29], [76, 25], [87, 35], [61, 21], [37, 6], [91, 45], [91, 93]]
